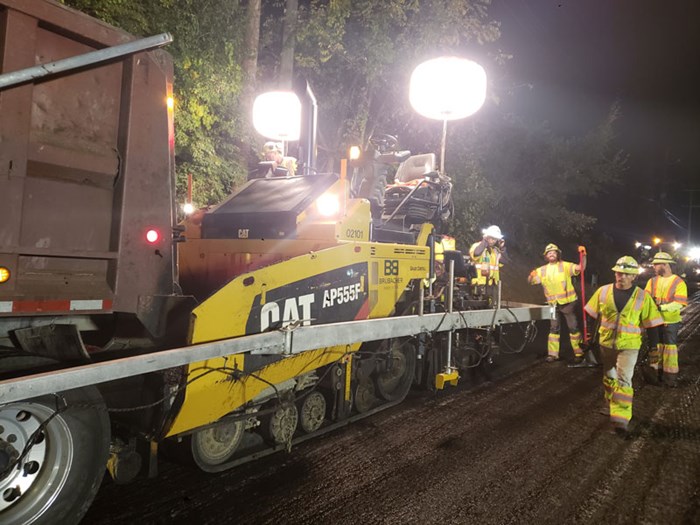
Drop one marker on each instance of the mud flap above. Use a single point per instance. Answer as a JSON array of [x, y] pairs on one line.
[[61, 342]]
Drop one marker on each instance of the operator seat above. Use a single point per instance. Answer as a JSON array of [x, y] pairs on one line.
[[416, 167]]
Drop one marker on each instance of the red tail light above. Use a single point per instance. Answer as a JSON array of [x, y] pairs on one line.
[[152, 236]]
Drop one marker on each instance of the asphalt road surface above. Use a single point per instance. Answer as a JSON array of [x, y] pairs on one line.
[[530, 448]]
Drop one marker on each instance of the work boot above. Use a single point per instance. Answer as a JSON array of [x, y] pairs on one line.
[[551, 359], [619, 430], [583, 361], [651, 375], [622, 432], [670, 380]]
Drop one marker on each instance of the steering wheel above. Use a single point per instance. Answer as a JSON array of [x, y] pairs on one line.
[[384, 143]]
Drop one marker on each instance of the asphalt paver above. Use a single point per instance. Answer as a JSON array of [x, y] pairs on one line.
[[529, 448]]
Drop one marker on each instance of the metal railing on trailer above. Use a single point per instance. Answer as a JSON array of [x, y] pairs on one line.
[[289, 341]]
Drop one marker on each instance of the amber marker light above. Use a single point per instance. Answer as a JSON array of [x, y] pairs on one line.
[[4, 274], [170, 102]]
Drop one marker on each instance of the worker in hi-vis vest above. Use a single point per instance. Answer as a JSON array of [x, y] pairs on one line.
[[670, 294], [623, 310], [486, 255], [555, 278]]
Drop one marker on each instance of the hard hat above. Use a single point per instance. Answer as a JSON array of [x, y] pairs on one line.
[[493, 231], [663, 258], [273, 146], [626, 264], [551, 246]]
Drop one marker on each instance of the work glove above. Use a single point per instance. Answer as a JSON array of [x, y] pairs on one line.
[[501, 243], [671, 307], [582, 250]]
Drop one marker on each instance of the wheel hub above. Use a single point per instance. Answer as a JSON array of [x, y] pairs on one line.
[[17, 426], [8, 454]]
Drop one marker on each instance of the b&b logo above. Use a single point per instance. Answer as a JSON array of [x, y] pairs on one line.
[[391, 267]]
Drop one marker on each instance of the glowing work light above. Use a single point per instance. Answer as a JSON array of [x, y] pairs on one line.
[[4, 274], [447, 88], [328, 205], [277, 115]]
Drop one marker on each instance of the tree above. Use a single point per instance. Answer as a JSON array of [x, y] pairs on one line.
[[528, 181], [207, 52], [358, 56]]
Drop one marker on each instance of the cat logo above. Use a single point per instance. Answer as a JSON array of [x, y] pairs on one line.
[[293, 309], [243, 233]]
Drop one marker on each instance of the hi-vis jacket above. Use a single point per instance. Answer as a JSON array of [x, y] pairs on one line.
[[487, 264], [555, 279], [623, 330], [667, 290]]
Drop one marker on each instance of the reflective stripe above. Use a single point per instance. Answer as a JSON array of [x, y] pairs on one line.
[[623, 420], [621, 397], [62, 305], [625, 328], [482, 266], [86, 305]]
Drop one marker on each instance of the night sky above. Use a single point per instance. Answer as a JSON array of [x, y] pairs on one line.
[[573, 59]]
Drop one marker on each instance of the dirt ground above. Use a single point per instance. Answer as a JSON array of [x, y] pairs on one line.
[[529, 448]]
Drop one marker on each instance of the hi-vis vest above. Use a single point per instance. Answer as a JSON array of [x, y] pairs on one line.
[[555, 279], [623, 330], [665, 290], [487, 265]]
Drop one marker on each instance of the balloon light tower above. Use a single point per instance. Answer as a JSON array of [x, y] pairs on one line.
[[447, 88], [277, 115]]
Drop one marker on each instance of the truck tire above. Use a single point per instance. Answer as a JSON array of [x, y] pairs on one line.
[[62, 471]]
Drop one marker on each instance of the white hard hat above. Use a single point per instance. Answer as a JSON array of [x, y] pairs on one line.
[[493, 231], [273, 146]]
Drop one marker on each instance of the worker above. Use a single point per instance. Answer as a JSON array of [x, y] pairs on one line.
[[670, 294], [486, 255], [555, 278], [624, 310], [274, 152]]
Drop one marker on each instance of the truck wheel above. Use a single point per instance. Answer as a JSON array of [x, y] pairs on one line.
[[60, 474]]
